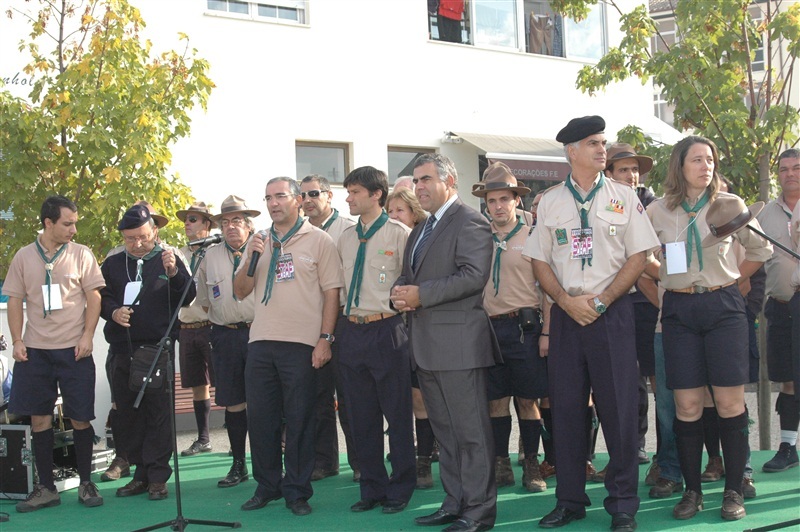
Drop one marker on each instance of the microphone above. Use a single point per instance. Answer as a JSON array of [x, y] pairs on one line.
[[251, 271], [202, 242]]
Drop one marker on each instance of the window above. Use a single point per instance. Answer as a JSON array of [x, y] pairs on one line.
[[495, 23], [401, 161], [291, 11], [663, 109], [330, 160]]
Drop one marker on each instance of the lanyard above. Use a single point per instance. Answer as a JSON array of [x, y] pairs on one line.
[[48, 268]]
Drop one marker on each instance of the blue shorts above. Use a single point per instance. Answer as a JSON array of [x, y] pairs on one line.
[[36, 384], [229, 356], [523, 372], [779, 341]]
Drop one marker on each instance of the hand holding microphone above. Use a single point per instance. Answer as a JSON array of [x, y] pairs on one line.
[[256, 249]]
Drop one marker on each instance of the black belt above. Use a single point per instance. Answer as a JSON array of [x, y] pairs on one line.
[[240, 325]]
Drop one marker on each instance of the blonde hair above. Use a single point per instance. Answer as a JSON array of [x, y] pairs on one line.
[[675, 184], [411, 200]]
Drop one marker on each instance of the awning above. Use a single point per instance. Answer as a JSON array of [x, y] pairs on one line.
[[530, 159]]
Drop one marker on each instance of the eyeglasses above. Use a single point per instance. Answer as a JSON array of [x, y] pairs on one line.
[[137, 239], [235, 222], [312, 193], [192, 219]]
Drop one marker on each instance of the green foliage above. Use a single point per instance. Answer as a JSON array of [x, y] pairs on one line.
[[98, 125], [708, 76]]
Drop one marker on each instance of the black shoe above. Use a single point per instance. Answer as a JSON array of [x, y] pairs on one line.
[[299, 507], [257, 501], [197, 447], [356, 475], [642, 456], [561, 516], [235, 476], [392, 506], [465, 524], [319, 473], [438, 518], [784, 459], [365, 505], [134, 487], [623, 521]]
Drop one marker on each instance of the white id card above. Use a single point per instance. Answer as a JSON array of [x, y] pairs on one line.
[[131, 291], [676, 257], [55, 297]]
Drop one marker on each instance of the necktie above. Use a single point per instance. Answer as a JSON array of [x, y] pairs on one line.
[[358, 270], [585, 205], [693, 236], [48, 267], [277, 245], [421, 244]]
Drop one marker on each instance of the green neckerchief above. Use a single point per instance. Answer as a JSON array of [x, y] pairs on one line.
[[277, 246], [141, 260], [693, 232], [48, 267], [330, 221], [237, 259], [499, 247], [358, 269], [193, 261], [584, 205]]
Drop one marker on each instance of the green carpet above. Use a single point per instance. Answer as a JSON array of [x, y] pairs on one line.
[[778, 500]]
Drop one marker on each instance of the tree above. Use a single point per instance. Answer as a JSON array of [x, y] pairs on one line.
[[98, 124], [708, 75]]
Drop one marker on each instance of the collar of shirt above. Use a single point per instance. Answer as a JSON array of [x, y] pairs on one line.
[[580, 189], [443, 209]]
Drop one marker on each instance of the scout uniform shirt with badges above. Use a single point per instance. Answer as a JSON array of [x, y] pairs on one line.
[[53, 284], [336, 224], [215, 287], [306, 264], [690, 264], [510, 288], [776, 220], [194, 313], [383, 260], [586, 252]]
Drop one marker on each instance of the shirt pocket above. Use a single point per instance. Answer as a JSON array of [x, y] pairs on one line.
[[611, 224]]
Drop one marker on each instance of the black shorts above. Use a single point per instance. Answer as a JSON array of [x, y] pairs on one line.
[[195, 357], [706, 339], [229, 356], [645, 317], [779, 341], [523, 372], [37, 381]]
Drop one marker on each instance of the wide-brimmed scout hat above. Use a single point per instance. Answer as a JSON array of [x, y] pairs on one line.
[[620, 151], [726, 215], [234, 204], [498, 176], [198, 207]]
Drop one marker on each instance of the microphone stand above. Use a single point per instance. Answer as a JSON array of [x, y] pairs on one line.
[[180, 522]]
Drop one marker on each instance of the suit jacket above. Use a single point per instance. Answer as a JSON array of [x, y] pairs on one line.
[[451, 330]]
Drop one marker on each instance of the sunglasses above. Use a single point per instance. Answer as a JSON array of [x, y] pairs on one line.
[[192, 219], [312, 193]]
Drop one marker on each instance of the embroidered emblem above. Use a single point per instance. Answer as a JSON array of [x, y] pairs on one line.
[[617, 206], [640, 208], [561, 236]]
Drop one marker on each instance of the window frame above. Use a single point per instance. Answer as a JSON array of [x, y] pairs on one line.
[[344, 146], [301, 6]]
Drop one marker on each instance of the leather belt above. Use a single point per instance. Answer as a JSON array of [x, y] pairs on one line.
[[195, 325], [512, 314], [240, 325], [372, 318], [700, 289]]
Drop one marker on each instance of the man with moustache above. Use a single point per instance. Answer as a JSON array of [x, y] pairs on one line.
[[588, 249], [143, 287], [197, 372], [317, 196], [59, 281], [446, 264], [374, 363], [296, 283], [230, 318]]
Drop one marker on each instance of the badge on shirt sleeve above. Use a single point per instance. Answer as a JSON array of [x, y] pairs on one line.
[[561, 236]]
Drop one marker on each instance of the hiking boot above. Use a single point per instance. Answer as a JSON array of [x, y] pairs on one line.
[[88, 495], [732, 506], [714, 470], [532, 476], [547, 470], [665, 488], [197, 447], [784, 459], [118, 468], [157, 491], [235, 476], [748, 488], [653, 473], [424, 475], [503, 474], [691, 503], [599, 476], [40, 497]]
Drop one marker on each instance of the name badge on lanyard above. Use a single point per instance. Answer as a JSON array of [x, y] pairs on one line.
[[131, 291], [676, 257], [581, 243], [284, 271], [52, 297]]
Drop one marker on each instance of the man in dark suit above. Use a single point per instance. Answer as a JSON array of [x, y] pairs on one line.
[[446, 265]]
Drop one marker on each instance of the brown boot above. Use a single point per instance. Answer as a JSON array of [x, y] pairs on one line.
[[691, 503], [547, 470], [714, 470], [653, 474], [118, 468], [732, 506], [424, 475], [503, 474], [532, 476], [599, 476]]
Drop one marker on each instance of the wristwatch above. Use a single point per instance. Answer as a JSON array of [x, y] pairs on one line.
[[599, 306], [329, 337]]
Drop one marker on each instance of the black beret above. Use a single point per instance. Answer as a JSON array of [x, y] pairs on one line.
[[580, 128], [136, 216]]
